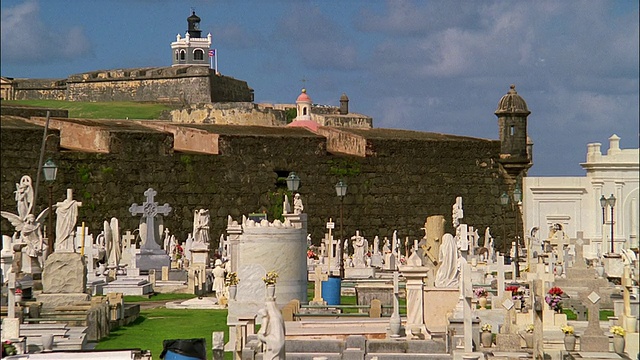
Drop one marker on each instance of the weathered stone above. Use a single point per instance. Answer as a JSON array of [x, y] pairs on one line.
[[64, 273]]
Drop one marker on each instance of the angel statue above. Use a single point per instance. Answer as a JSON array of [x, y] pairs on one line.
[[24, 196], [29, 230]]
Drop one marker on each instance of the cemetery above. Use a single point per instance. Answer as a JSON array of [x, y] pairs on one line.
[[439, 295]]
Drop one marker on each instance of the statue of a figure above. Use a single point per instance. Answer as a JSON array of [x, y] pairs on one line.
[[218, 278], [297, 204], [386, 248], [376, 245], [24, 196], [67, 215], [113, 241], [272, 332], [456, 212], [447, 275], [29, 230], [201, 227], [359, 249]]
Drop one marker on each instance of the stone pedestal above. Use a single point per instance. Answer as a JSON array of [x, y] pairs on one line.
[[149, 259], [64, 280], [359, 273], [438, 303], [200, 257]]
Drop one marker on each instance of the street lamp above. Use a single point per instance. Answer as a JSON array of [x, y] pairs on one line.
[[611, 201], [504, 201], [293, 182], [517, 197], [50, 170], [341, 191], [603, 204]]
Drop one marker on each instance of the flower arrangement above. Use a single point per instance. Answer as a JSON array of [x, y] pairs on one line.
[[312, 255], [480, 292], [8, 348], [516, 292], [617, 330], [567, 329], [179, 252], [271, 278], [486, 327], [529, 328], [554, 298], [18, 291], [232, 278]]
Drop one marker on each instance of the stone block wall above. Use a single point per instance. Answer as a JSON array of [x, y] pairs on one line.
[[40, 89], [396, 186], [229, 113]]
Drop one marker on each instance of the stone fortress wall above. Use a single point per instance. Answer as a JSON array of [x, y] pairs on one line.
[[400, 178], [176, 84]]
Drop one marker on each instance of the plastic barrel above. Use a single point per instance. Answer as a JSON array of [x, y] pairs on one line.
[[331, 290], [170, 355]]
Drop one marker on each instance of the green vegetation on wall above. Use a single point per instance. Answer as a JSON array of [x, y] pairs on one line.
[[99, 110]]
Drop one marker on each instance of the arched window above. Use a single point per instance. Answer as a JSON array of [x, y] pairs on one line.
[[177, 56], [198, 54], [182, 55]]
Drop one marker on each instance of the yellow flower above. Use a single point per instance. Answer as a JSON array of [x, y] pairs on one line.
[[567, 329], [486, 327], [529, 328], [617, 330], [270, 278]]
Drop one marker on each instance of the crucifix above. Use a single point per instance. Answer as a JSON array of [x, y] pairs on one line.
[[149, 209], [317, 289]]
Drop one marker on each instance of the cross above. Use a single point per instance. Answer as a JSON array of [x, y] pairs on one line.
[[149, 209], [538, 307], [303, 82], [127, 239], [591, 299], [319, 278], [467, 294]]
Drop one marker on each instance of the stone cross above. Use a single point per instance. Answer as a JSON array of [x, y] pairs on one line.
[[317, 288], [578, 262], [627, 285], [501, 267], [149, 209], [467, 293], [127, 240], [538, 305], [593, 338], [11, 311]]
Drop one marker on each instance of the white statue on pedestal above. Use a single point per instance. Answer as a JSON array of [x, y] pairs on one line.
[[447, 275], [66, 218], [298, 207]]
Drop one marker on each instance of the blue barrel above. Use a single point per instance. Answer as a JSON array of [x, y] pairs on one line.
[[331, 290], [170, 355]]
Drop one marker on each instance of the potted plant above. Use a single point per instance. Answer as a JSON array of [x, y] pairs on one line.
[[569, 337], [528, 335], [486, 337], [232, 282], [618, 338], [481, 294], [270, 280], [8, 348]]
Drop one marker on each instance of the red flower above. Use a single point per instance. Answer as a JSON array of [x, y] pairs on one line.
[[18, 291], [555, 291], [512, 288]]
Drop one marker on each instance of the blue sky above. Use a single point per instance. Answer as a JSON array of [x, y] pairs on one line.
[[438, 66]]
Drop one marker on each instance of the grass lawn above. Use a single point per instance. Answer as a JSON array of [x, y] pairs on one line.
[[158, 297], [99, 110], [155, 325]]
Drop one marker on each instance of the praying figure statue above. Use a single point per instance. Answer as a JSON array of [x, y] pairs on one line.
[[447, 275], [272, 332], [201, 227], [24, 196]]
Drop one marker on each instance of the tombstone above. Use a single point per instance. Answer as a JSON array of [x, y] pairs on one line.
[[317, 288], [593, 339], [151, 256], [508, 339], [128, 250], [64, 280], [538, 306]]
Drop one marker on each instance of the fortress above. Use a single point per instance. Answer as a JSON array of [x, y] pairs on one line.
[[219, 150]]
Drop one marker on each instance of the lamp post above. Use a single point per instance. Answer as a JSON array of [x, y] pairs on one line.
[[293, 182], [50, 170], [517, 197], [611, 201], [341, 191], [504, 201]]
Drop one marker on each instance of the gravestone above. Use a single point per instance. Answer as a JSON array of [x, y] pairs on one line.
[[508, 340], [317, 289], [64, 280], [593, 339], [151, 256]]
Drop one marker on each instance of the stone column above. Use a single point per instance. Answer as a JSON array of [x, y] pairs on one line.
[[415, 293]]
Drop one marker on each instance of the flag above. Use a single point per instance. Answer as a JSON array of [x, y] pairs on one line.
[[212, 53]]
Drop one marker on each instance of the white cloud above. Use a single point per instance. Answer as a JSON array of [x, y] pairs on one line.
[[26, 38]]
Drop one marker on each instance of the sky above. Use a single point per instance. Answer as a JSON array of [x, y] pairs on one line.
[[436, 66]]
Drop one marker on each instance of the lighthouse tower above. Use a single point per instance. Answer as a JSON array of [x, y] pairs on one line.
[[192, 49]]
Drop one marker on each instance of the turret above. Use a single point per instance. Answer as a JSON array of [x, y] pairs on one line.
[[515, 147]]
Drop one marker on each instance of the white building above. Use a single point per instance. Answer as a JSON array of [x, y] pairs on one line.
[[192, 49], [575, 202]]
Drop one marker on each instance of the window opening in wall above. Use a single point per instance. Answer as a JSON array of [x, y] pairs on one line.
[[182, 54], [512, 130], [304, 111], [177, 56], [198, 54]]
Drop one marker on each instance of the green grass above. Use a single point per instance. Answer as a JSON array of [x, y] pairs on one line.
[[99, 110], [155, 325], [158, 297]]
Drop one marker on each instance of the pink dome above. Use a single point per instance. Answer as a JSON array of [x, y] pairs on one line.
[[303, 97], [309, 124]]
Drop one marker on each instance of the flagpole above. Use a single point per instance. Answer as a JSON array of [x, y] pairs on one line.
[[210, 60], [215, 55]]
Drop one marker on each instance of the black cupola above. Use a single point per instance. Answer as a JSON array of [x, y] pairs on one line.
[[194, 25]]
